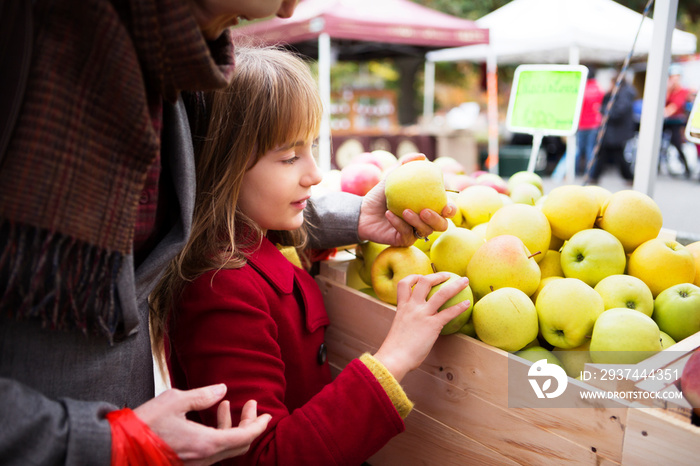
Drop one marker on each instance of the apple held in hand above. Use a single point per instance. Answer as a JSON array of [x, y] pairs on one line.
[[661, 264], [393, 264], [458, 322], [567, 309], [359, 178], [632, 217], [690, 381], [502, 261], [626, 291], [366, 252], [624, 336], [591, 255], [453, 249], [415, 185], [524, 221], [677, 310], [506, 319], [570, 209]]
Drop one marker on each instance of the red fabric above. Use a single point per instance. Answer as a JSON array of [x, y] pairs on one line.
[[135, 444], [679, 97], [590, 109], [258, 329]]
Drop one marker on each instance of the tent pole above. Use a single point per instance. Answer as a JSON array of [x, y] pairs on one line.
[[574, 58], [428, 92], [645, 169], [492, 112], [324, 85]]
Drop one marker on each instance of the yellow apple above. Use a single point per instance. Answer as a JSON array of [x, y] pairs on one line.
[[502, 261], [694, 249], [415, 185], [591, 255], [525, 193], [601, 194], [525, 177], [535, 353], [352, 275], [550, 265], [454, 325], [567, 309], [543, 283], [624, 336], [458, 218], [574, 359], [424, 244], [527, 222], [393, 264], [506, 319], [478, 203], [556, 243], [666, 340], [661, 264], [366, 252], [453, 250], [569, 209], [632, 217], [480, 229], [626, 291]]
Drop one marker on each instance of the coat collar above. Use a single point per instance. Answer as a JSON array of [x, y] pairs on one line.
[[272, 265]]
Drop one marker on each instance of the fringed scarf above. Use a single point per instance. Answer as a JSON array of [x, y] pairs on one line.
[[86, 135]]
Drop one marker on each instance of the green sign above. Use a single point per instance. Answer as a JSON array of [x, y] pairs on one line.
[[692, 129], [546, 99]]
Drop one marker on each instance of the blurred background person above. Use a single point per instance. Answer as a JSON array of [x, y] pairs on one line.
[[675, 113]]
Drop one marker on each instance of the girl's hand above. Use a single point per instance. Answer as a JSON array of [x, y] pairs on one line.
[[418, 323]]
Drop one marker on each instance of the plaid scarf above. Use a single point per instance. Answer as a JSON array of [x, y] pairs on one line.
[[86, 135]]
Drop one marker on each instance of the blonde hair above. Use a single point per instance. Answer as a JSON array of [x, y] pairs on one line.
[[272, 99]]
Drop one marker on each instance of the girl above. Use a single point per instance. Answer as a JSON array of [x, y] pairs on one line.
[[243, 314]]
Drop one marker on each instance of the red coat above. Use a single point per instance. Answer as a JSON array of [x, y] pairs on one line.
[[259, 329]]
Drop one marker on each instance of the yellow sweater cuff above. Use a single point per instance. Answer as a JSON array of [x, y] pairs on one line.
[[392, 388]]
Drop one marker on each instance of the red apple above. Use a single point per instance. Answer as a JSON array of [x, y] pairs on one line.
[[690, 381], [359, 178], [458, 182], [495, 181]]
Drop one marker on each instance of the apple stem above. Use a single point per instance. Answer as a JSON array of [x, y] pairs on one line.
[[534, 254], [491, 286], [435, 270]]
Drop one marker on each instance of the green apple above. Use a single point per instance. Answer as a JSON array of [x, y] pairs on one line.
[[535, 353], [527, 222], [502, 261], [543, 283], [458, 322], [666, 340], [574, 359], [369, 291], [569, 209], [677, 310], [624, 336], [591, 255], [661, 263], [550, 264], [352, 274], [525, 177], [468, 327], [453, 250], [393, 264], [415, 185], [366, 252], [626, 291], [477, 204], [632, 216], [567, 309], [506, 319]]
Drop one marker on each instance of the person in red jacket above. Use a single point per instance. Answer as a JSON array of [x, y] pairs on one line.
[[240, 309]]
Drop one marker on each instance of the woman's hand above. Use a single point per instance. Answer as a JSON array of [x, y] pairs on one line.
[[418, 323]]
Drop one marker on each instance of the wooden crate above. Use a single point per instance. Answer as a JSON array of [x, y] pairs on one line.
[[461, 395]]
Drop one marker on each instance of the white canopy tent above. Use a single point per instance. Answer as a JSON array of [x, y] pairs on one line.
[[562, 31]]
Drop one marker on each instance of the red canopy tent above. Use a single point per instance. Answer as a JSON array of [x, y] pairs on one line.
[[361, 30]]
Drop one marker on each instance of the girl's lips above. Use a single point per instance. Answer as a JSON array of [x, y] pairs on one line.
[[301, 203]]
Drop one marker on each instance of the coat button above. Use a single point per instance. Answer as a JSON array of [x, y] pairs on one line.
[[322, 354]]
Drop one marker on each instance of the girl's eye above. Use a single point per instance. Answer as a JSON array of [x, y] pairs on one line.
[[314, 144], [290, 161]]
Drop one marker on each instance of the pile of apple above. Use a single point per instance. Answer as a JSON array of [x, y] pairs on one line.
[[579, 271]]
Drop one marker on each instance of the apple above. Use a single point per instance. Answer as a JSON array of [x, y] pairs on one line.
[[458, 322], [449, 165], [600, 193], [352, 274], [661, 264], [502, 261], [624, 336], [632, 216], [567, 309], [677, 310], [385, 158], [458, 181], [452, 251], [495, 181], [480, 230], [525, 193], [369, 291], [666, 340], [458, 218], [415, 185], [468, 327], [535, 353], [359, 178], [622, 290], [694, 249], [367, 252], [574, 359], [591, 255], [690, 381], [477, 204], [556, 243], [506, 319], [526, 177], [393, 264], [478, 173], [550, 264], [524, 221], [570, 209], [543, 283], [366, 157]]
